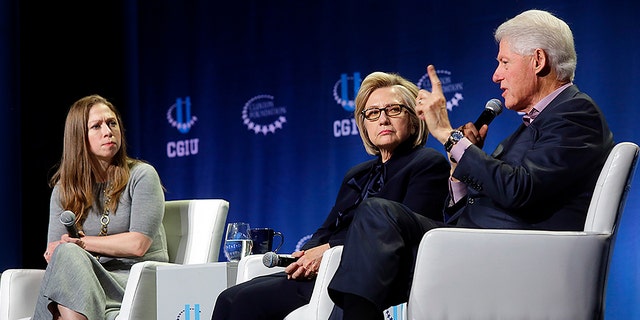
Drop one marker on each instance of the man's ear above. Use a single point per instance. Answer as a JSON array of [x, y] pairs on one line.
[[541, 62]]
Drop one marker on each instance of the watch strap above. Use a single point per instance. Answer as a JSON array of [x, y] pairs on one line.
[[454, 137]]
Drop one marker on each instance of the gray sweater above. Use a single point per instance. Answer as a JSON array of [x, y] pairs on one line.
[[141, 209]]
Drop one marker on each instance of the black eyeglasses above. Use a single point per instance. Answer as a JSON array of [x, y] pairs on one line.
[[392, 110]]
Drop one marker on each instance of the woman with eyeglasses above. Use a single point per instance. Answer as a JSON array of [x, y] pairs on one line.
[[402, 173]]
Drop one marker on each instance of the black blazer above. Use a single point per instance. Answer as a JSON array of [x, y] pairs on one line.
[[543, 175], [415, 177]]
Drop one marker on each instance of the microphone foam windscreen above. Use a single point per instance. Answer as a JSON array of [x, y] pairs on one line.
[[270, 259], [494, 105], [67, 218]]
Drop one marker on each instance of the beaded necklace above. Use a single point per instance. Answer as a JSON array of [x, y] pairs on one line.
[[104, 220]]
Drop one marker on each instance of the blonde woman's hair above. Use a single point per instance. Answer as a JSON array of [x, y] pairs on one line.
[[408, 92]]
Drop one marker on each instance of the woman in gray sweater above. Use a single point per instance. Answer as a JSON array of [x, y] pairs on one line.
[[118, 205]]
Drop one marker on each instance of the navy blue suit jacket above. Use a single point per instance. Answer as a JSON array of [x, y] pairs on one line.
[[543, 175], [415, 177]]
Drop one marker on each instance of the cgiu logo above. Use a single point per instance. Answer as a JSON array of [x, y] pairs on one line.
[[183, 121], [186, 313], [344, 93], [344, 98]]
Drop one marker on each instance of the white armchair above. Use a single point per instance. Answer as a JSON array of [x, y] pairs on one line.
[[194, 231], [320, 304], [518, 274]]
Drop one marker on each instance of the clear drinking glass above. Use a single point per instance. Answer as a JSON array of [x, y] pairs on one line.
[[237, 242]]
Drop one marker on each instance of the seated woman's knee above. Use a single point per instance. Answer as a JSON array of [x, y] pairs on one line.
[[375, 208], [69, 249]]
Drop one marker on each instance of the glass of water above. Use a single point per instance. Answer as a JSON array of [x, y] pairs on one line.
[[237, 243]]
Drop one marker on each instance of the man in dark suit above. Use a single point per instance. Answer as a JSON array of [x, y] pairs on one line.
[[543, 175], [540, 177]]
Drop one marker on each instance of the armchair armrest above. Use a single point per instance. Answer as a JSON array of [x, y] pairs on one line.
[[461, 273], [139, 301], [251, 266], [320, 305], [151, 288], [19, 290]]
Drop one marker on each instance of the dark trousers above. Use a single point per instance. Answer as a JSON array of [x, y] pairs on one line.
[[379, 253], [377, 264], [266, 297]]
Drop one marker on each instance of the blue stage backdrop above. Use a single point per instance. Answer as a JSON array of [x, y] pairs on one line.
[[253, 102]]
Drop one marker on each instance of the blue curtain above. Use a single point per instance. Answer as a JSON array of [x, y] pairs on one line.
[[253, 103]]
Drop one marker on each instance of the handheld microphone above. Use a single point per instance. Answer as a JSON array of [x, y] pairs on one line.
[[68, 219], [271, 259], [491, 110]]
